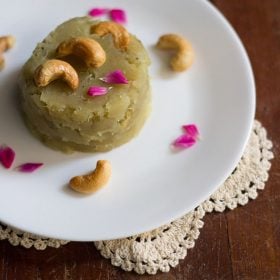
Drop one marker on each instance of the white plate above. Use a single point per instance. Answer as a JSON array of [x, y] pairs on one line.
[[151, 185]]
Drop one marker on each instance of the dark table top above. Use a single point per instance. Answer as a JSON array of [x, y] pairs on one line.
[[239, 244]]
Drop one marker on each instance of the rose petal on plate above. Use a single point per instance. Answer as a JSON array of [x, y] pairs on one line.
[[184, 141], [97, 91], [29, 167], [7, 156], [98, 12], [118, 16], [115, 77], [191, 130]]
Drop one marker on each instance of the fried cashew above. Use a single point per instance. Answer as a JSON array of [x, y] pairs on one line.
[[120, 35], [94, 181], [87, 49], [55, 69], [184, 54], [6, 43]]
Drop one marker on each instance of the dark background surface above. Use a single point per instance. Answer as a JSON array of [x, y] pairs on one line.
[[239, 244]]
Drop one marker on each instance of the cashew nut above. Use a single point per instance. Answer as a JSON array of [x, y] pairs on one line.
[[6, 42], [184, 56], [54, 69], [2, 62], [120, 34], [94, 181], [88, 49]]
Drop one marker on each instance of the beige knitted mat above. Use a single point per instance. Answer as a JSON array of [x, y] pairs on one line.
[[162, 248]]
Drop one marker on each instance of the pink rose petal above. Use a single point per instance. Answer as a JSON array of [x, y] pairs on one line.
[[191, 130], [7, 156], [118, 16], [98, 12], [184, 141], [29, 167], [97, 91], [115, 77]]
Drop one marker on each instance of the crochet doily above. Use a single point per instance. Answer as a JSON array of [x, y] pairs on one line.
[[162, 248]]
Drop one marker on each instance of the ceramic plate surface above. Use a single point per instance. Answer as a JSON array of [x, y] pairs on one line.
[[151, 184]]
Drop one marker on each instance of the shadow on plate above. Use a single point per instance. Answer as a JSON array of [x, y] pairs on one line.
[[66, 189], [164, 71]]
